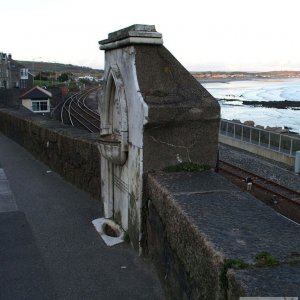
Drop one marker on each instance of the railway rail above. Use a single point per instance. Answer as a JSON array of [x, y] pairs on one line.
[[262, 183], [76, 112]]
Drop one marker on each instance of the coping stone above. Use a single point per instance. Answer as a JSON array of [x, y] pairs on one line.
[[238, 225], [280, 281], [134, 34]]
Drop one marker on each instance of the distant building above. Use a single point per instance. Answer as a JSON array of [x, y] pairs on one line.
[[37, 100], [87, 77], [13, 74]]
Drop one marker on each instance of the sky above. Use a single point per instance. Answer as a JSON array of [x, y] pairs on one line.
[[204, 35]]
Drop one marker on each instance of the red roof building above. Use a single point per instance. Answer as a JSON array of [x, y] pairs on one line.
[[37, 100]]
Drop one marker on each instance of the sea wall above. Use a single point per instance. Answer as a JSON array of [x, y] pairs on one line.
[[256, 149], [207, 239], [67, 150]]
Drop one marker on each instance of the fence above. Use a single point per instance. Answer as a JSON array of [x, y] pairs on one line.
[[282, 143]]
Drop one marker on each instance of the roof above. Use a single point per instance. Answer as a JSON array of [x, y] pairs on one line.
[[36, 93], [3, 56]]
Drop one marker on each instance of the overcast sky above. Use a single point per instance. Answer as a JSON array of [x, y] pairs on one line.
[[253, 35]]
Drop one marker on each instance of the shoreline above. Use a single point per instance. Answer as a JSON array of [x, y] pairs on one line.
[[271, 102], [275, 129], [282, 104], [226, 80]]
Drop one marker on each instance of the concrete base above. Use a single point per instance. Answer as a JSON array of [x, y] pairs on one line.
[[108, 240], [264, 152]]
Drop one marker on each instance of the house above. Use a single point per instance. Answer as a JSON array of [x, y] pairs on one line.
[[37, 100], [13, 74]]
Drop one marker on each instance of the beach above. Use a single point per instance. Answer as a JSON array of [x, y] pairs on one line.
[[231, 95]]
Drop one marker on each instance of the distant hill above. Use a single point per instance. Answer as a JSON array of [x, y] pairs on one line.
[[246, 75], [38, 66], [78, 71]]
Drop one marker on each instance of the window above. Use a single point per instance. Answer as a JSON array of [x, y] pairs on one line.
[[24, 73], [23, 84], [39, 105]]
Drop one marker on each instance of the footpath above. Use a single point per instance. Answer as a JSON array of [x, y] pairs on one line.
[[49, 248]]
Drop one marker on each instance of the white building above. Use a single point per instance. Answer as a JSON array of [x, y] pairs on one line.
[[37, 100]]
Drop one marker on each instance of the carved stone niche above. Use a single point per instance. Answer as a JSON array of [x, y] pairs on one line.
[[113, 146], [123, 115], [114, 125]]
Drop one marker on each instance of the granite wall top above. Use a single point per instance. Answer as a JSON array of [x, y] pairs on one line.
[[239, 225], [236, 226]]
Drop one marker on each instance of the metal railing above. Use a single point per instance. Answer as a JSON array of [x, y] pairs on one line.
[[284, 143]]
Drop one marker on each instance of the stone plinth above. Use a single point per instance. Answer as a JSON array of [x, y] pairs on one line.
[[135, 34]]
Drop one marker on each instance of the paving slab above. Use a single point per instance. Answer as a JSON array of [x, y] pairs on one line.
[[194, 182], [282, 281], [4, 187], [2, 174], [7, 200], [22, 273], [7, 203]]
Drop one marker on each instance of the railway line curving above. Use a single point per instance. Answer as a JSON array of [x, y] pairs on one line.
[[76, 112]]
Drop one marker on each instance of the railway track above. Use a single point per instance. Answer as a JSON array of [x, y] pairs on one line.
[[76, 112], [262, 183]]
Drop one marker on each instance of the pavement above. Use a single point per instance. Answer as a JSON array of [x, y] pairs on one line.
[[49, 248]]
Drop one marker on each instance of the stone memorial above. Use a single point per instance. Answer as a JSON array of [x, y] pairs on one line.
[[154, 114]]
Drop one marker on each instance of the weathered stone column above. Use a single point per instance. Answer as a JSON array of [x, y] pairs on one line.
[[153, 114]]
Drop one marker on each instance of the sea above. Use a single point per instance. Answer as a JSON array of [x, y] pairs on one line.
[[231, 94]]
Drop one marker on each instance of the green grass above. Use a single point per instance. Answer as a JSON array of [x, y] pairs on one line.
[[295, 254], [265, 259], [47, 83], [230, 264]]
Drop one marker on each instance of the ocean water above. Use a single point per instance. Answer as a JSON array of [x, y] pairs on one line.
[[258, 90]]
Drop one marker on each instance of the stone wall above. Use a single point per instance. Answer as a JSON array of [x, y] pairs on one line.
[[203, 235], [209, 240], [183, 118], [10, 97], [67, 150]]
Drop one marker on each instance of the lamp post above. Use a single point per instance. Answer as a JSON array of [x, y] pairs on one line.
[[33, 67], [55, 76]]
